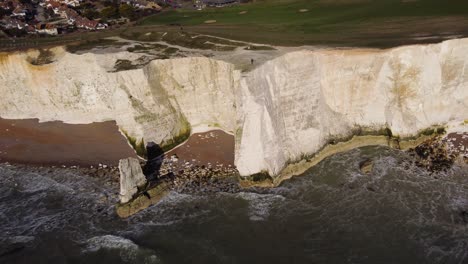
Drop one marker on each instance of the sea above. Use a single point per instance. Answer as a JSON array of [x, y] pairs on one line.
[[333, 213]]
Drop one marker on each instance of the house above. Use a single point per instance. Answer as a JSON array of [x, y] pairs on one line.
[[101, 26], [47, 29], [73, 18], [4, 5], [18, 12], [62, 11], [54, 5], [199, 4], [140, 4], [153, 5], [11, 5], [82, 22], [73, 3], [10, 23], [143, 4], [119, 21]]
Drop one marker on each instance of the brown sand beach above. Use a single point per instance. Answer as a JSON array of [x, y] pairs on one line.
[[56, 143], [213, 148]]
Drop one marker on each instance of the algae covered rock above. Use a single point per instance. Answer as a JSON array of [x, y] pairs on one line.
[[131, 178], [151, 196]]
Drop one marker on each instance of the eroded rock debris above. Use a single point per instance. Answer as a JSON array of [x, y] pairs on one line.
[[440, 153]]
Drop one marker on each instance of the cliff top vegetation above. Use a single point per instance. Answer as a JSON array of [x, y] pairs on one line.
[[375, 23], [350, 23]]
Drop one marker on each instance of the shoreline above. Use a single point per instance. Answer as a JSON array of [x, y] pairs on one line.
[[204, 163], [200, 179], [355, 142], [300, 167], [290, 170]]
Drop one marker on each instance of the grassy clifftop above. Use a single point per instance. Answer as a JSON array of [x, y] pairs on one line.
[[340, 22]]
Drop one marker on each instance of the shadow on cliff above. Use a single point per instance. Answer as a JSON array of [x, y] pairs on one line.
[[155, 156]]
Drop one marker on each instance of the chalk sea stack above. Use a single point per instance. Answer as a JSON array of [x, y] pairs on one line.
[[131, 178]]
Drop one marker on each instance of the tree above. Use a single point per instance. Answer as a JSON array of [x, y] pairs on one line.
[[108, 3], [10, 5], [109, 12], [91, 14], [4, 12], [126, 10]]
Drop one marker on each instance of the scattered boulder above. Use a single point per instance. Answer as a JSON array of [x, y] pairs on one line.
[[394, 143], [131, 178], [366, 166], [436, 154]]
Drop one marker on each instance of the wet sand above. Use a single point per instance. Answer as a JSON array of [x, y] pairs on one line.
[[56, 143], [213, 148]]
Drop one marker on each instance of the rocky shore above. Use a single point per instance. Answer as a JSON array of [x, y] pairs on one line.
[[190, 178], [165, 173], [433, 152], [109, 174], [440, 153], [171, 174]]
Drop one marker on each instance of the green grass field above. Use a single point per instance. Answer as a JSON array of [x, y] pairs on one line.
[[359, 23], [340, 22]]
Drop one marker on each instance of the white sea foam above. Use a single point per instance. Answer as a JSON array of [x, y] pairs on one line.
[[110, 242], [260, 204], [128, 250]]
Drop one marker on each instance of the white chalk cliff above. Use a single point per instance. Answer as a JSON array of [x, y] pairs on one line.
[[287, 107]]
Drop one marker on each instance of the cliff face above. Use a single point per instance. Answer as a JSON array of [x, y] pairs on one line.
[[295, 104], [156, 103], [286, 108]]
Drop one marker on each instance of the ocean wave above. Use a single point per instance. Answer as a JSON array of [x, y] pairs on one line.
[[260, 205], [126, 249], [175, 208]]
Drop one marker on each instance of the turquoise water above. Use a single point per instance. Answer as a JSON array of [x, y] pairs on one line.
[[332, 214]]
